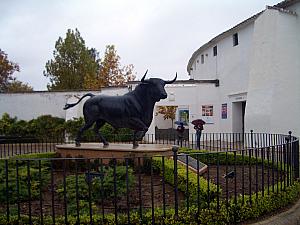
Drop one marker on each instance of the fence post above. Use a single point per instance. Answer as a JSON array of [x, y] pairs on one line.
[[20, 149], [175, 151], [250, 176], [295, 152], [252, 143]]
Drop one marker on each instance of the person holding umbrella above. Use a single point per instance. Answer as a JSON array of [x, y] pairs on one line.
[[198, 126], [180, 131]]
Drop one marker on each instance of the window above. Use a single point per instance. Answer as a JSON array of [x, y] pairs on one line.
[[207, 110], [215, 51], [202, 59], [235, 39]]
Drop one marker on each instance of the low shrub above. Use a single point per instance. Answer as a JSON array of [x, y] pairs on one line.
[[26, 169], [230, 159], [72, 127], [101, 186], [43, 127], [208, 191], [47, 128], [227, 214]]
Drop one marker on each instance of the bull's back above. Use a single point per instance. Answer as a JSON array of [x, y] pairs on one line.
[[116, 110]]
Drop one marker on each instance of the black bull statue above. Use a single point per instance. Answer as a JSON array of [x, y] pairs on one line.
[[133, 110]]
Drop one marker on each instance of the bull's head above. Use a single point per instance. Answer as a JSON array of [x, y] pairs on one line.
[[158, 86]]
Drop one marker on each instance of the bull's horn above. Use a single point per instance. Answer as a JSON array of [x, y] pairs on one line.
[[143, 79], [171, 81]]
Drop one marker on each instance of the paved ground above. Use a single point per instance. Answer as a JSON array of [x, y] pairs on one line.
[[290, 217]]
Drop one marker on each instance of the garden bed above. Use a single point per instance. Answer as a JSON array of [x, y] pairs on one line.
[[108, 207], [240, 183]]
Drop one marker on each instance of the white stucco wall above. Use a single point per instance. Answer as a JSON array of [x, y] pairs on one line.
[[192, 97], [231, 66], [262, 70], [273, 103], [27, 106], [231, 62]]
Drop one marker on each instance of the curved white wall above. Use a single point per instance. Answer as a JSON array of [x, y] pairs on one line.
[[273, 102]]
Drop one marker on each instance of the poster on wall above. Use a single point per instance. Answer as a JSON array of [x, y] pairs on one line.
[[207, 110], [207, 113], [184, 115], [224, 111]]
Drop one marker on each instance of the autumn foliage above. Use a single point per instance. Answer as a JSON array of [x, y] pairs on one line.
[[8, 83], [168, 112], [77, 67]]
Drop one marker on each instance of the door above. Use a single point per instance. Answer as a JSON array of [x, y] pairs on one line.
[[238, 117]]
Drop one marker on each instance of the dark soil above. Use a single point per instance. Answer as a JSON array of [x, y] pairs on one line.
[[246, 180], [147, 199]]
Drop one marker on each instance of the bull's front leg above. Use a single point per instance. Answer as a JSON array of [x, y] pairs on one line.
[[136, 136], [139, 130]]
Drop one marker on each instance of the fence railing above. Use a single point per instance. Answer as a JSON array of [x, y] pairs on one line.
[[208, 141], [232, 170]]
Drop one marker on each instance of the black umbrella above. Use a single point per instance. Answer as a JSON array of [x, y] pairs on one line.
[[198, 122]]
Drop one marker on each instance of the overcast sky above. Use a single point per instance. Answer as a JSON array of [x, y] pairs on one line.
[[159, 35]]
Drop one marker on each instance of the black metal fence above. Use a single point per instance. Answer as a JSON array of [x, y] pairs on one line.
[[209, 141], [231, 171]]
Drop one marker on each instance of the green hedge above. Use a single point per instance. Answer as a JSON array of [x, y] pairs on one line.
[[11, 175], [52, 128], [99, 189], [228, 214], [212, 158], [204, 194], [230, 159], [111, 134], [45, 126]]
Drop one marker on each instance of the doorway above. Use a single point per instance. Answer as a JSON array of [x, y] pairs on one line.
[[238, 117]]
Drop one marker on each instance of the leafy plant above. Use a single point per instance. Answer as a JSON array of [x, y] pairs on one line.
[[205, 193], [168, 112], [9, 83], [101, 186], [72, 127], [49, 128], [14, 187], [230, 213]]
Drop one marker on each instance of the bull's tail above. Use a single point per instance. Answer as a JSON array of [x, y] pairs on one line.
[[67, 106]]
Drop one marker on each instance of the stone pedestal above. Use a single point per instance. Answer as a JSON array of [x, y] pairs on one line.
[[119, 151]]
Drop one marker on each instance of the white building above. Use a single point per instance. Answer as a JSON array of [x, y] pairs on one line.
[[257, 63], [247, 77]]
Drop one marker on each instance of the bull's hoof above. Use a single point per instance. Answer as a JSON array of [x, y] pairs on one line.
[[77, 144], [105, 145], [136, 145]]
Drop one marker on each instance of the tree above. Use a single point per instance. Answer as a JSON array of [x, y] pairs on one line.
[[8, 83], [73, 63], [111, 72], [77, 67], [18, 86], [168, 112], [7, 68]]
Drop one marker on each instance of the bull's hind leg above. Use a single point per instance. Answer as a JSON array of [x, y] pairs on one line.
[[99, 124], [80, 132]]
